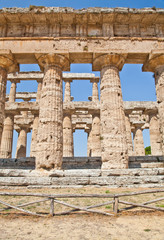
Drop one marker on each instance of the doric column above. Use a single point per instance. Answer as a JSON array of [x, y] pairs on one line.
[[50, 129], [139, 149], [89, 142], [95, 93], [39, 91], [155, 136], [114, 150], [12, 94], [21, 143], [96, 141], [67, 92], [68, 150], [7, 64], [155, 63], [129, 136], [33, 150], [7, 137]]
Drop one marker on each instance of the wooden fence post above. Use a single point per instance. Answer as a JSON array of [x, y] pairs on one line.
[[52, 207], [115, 205]]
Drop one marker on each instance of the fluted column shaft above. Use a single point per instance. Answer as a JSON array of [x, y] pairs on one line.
[[7, 137], [67, 92], [68, 150], [50, 129], [33, 151], [96, 141], [129, 136], [155, 136], [114, 150], [21, 143], [139, 149], [113, 132]]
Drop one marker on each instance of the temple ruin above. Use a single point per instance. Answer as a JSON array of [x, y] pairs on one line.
[[54, 38]]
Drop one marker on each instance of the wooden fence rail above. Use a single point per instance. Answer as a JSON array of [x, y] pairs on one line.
[[54, 198]]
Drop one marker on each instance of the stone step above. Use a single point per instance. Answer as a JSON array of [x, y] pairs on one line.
[[110, 178]]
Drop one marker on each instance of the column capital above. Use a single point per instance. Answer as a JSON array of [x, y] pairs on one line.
[[155, 60], [115, 59], [53, 59], [8, 62]]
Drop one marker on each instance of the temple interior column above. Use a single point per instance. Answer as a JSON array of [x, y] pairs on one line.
[[39, 91], [21, 143], [96, 141], [155, 136], [68, 149], [67, 92], [95, 93], [114, 149], [33, 151], [129, 136], [50, 128], [89, 142], [7, 137], [155, 63], [139, 149]]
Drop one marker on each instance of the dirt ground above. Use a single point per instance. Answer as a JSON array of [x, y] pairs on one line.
[[136, 224]]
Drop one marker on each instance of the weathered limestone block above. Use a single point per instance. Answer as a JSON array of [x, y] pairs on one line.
[[21, 143], [113, 132], [129, 136], [7, 137], [139, 149], [68, 149], [155, 137], [96, 142], [50, 129], [155, 63]]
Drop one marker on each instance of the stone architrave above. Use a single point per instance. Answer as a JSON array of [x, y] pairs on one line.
[[129, 136], [139, 149], [7, 65], [155, 136], [68, 149], [155, 63], [50, 128], [114, 149], [21, 143], [96, 141]]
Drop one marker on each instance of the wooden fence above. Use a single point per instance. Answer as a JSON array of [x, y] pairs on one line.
[[54, 198]]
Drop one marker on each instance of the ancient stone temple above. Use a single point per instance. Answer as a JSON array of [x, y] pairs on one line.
[[54, 38]]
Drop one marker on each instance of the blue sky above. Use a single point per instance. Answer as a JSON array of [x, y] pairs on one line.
[[136, 85], [84, 3]]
